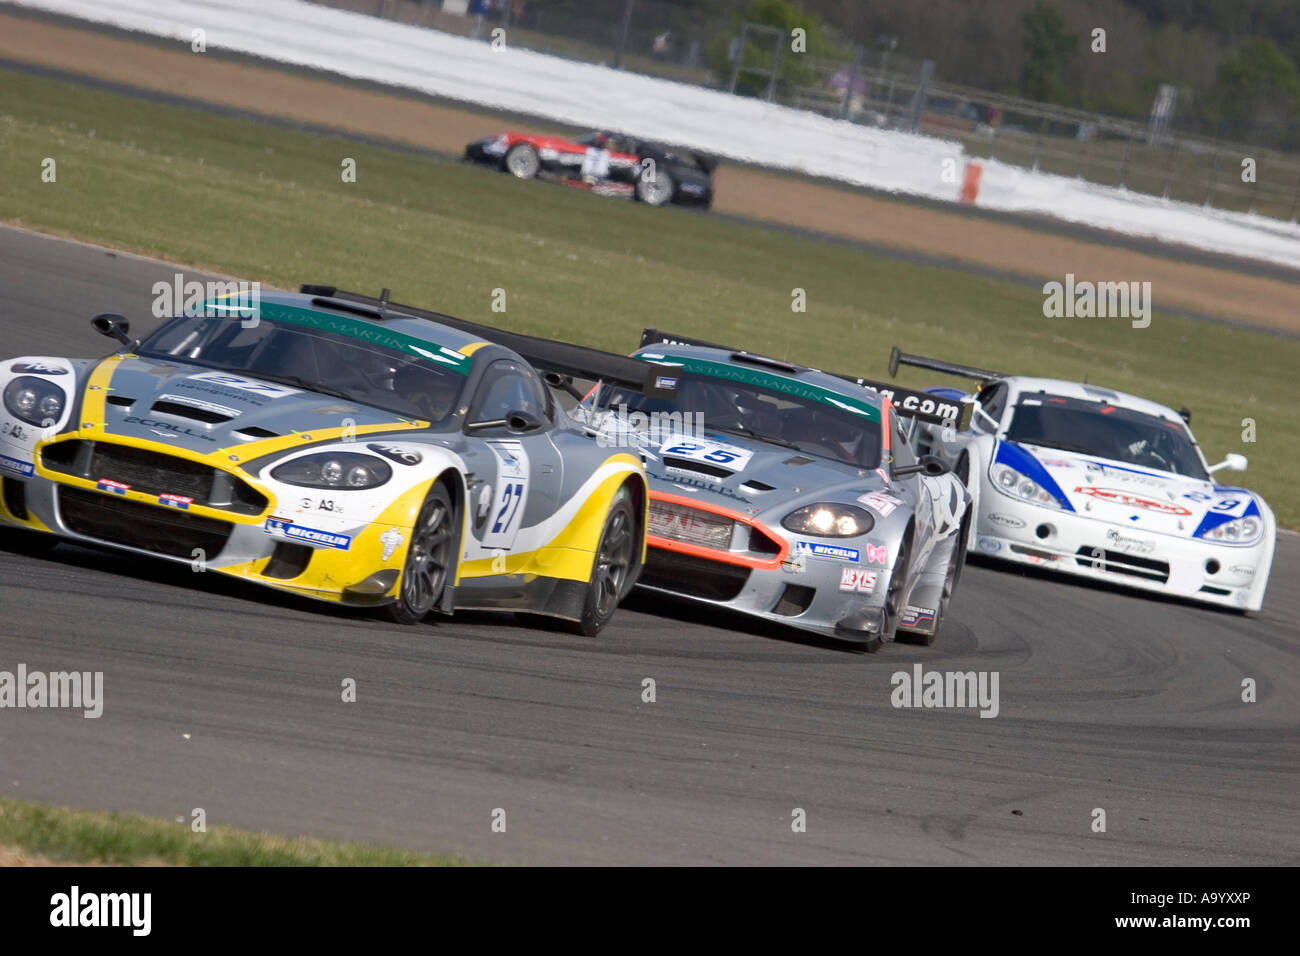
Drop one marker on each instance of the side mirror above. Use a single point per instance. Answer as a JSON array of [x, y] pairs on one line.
[[931, 466], [520, 422], [113, 326], [1233, 462]]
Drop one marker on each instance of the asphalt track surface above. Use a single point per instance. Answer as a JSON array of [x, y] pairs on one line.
[[227, 697]]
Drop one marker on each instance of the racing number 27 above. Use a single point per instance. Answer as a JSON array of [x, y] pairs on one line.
[[511, 495]]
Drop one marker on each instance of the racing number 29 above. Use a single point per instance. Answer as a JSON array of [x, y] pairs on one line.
[[511, 495]]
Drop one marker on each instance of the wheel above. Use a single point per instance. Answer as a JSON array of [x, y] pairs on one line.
[[429, 559], [611, 573], [657, 189], [896, 596], [956, 561], [522, 161]]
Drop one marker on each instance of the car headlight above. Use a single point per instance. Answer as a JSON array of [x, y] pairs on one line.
[[829, 520], [1238, 531], [342, 470], [34, 400], [1006, 479]]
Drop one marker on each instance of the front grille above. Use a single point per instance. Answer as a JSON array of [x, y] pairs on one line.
[[1118, 562], [692, 576], [692, 525], [162, 531], [15, 497], [795, 599], [154, 473]]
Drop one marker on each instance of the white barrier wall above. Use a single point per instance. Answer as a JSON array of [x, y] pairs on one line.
[[304, 34]]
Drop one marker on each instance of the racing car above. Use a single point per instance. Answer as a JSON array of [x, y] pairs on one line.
[[335, 446], [605, 162], [789, 493], [1093, 482]]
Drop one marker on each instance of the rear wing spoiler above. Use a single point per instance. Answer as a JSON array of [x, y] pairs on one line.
[[922, 406], [559, 362], [897, 358]]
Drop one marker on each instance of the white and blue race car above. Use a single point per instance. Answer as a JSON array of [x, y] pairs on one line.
[[1085, 480]]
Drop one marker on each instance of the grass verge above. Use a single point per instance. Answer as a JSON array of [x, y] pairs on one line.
[[266, 203], [57, 835]]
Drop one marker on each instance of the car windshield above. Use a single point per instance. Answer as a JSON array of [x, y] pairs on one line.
[[1106, 431], [312, 359], [751, 411]]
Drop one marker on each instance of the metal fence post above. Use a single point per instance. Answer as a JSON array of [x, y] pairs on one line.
[[776, 58], [1214, 164], [622, 34], [918, 101], [1295, 199], [740, 55], [855, 70], [1123, 162], [1038, 143], [1169, 170]]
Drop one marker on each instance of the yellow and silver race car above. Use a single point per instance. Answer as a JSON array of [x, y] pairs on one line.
[[336, 446]]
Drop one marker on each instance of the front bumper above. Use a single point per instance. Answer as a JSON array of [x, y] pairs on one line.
[[1070, 543], [245, 546]]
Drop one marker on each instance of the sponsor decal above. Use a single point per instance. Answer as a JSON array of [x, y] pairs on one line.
[[391, 540], [990, 545], [12, 465], [914, 616], [877, 554], [880, 502], [796, 563], [816, 549], [1131, 501], [693, 482], [116, 487], [858, 580], [1132, 545], [665, 381], [1054, 462], [38, 368], [310, 535], [398, 453], [201, 404], [176, 501], [14, 430], [1243, 570], [174, 429], [269, 389], [1006, 521]]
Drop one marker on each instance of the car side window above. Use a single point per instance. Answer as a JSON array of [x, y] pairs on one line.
[[993, 400], [509, 386], [900, 451]]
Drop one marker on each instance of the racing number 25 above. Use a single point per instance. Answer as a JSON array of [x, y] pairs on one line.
[[511, 495], [718, 455]]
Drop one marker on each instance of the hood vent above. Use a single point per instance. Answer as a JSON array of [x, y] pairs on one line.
[[798, 460], [252, 431], [121, 400], [208, 416], [700, 467]]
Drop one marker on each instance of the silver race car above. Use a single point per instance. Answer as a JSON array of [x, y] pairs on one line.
[[1092, 482], [338, 447], [788, 493]]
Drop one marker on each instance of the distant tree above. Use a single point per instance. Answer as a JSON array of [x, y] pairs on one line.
[[793, 68], [1048, 47], [1257, 85]]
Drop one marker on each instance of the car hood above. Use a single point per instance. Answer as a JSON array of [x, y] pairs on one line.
[[1125, 495], [204, 410], [761, 476]]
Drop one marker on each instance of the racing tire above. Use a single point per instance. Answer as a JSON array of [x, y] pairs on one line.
[[956, 561], [430, 558], [896, 595], [659, 190], [522, 161], [612, 571], [32, 544]]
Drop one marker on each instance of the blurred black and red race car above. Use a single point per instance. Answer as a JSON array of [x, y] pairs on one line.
[[606, 163]]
